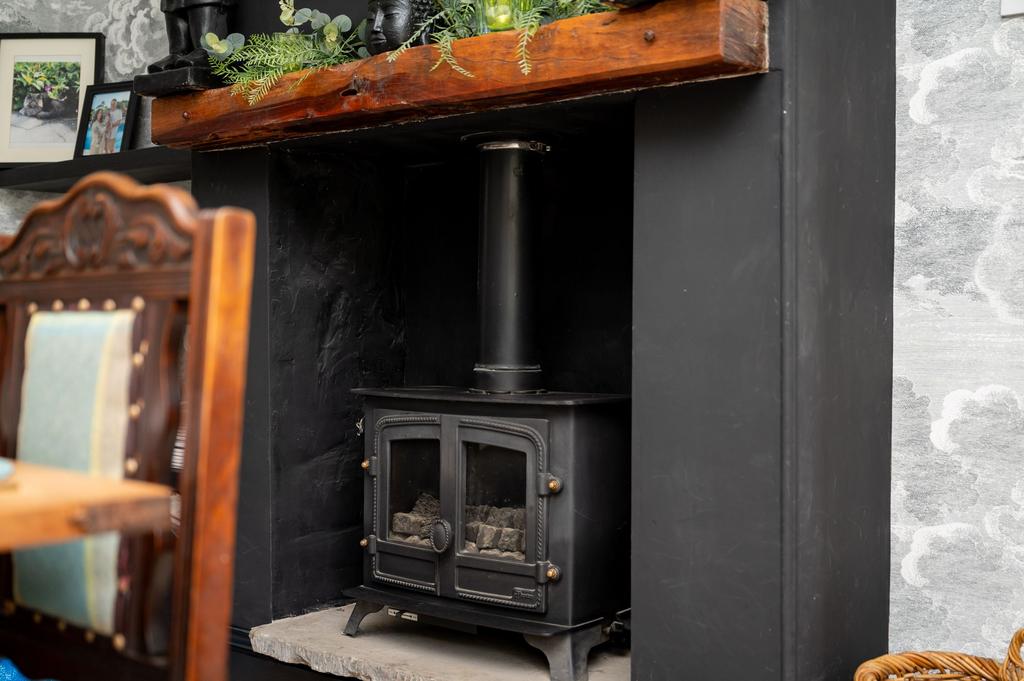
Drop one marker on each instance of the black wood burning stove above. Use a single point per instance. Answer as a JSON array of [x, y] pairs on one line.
[[504, 505]]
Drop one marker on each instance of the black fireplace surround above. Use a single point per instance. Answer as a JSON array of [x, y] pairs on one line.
[[722, 251], [504, 505]]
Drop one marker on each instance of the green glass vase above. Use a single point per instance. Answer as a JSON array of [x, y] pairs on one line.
[[497, 15]]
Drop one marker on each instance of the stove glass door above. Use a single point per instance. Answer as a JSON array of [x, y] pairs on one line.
[[499, 539], [407, 503], [494, 509], [414, 490]]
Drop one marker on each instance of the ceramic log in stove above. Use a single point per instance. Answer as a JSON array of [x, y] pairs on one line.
[[504, 505]]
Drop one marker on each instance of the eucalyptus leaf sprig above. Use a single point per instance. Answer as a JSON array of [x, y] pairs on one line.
[[253, 67]]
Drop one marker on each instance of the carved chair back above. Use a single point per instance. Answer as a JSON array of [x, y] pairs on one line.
[[179, 279]]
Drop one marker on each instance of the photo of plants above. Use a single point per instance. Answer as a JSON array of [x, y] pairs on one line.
[[44, 106]]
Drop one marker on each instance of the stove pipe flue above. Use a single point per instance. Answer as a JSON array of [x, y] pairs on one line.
[[508, 273]]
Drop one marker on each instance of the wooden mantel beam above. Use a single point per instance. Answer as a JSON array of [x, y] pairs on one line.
[[670, 42]]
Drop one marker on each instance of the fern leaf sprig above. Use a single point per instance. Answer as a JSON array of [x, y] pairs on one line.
[[527, 21], [416, 35], [444, 42]]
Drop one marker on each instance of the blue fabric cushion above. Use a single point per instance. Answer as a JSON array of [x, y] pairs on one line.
[[8, 672], [74, 415]]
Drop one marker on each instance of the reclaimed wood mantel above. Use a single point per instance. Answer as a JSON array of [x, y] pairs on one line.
[[670, 42]]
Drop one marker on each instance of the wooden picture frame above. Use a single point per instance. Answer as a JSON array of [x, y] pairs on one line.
[[41, 93], [113, 140]]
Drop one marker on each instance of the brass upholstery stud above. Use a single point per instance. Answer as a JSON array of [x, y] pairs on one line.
[[364, 542], [131, 465], [37, 618], [137, 359], [84, 304], [109, 305], [9, 607], [144, 347], [118, 642], [138, 304], [134, 411], [90, 636], [58, 305], [32, 308]]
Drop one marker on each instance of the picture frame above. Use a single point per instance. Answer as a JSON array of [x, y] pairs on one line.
[[43, 79], [107, 119]]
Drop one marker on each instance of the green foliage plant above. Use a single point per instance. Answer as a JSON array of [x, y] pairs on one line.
[[311, 40], [457, 19], [314, 41]]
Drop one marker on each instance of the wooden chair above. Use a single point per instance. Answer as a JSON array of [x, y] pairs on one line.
[[935, 666], [161, 281]]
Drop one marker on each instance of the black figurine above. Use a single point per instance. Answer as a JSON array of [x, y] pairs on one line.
[[392, 22], [187, 22]]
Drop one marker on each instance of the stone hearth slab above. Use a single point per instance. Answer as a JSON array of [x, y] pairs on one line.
[[391, 649]]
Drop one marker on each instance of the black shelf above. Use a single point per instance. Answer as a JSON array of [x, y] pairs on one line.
[[152, 164]]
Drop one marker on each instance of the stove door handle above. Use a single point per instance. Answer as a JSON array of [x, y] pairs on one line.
[[441, 535]]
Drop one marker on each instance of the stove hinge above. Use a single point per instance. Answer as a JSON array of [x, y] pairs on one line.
[[548, 484], [546, 571], [371, 544], [371, 466]]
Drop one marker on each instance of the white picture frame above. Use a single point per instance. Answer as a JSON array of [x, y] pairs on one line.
[[43, 78]]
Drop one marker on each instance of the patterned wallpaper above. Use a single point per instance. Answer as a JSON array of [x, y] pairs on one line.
[[958, 389], [134, 31]]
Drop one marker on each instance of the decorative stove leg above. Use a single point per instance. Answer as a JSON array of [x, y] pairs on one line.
[[567, 653], [362, 609]]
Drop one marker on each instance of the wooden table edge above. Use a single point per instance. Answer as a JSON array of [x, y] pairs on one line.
[[147, 507]]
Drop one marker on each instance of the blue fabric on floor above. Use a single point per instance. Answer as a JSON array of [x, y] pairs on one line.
[[8, 672]]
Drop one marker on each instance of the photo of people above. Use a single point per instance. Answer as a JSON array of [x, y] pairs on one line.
[[106, 126]]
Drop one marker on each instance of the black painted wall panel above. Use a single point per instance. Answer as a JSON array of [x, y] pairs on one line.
[[240, 178], [586, 261], [841, 84], [706, 367], [262, 16], [798, 589], [437, 246], [335, 325]]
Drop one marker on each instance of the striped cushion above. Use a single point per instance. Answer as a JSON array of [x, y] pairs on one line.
[[74, 415]]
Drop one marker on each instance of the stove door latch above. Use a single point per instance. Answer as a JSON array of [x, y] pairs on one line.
[[440, 535]]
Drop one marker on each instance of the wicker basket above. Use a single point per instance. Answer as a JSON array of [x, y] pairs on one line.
[[932, 666]]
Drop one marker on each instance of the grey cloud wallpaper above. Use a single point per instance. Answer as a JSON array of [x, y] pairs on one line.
[[958, 389], [134, 31]]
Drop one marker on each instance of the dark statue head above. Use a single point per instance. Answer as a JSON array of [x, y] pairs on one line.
[[390, 23]]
